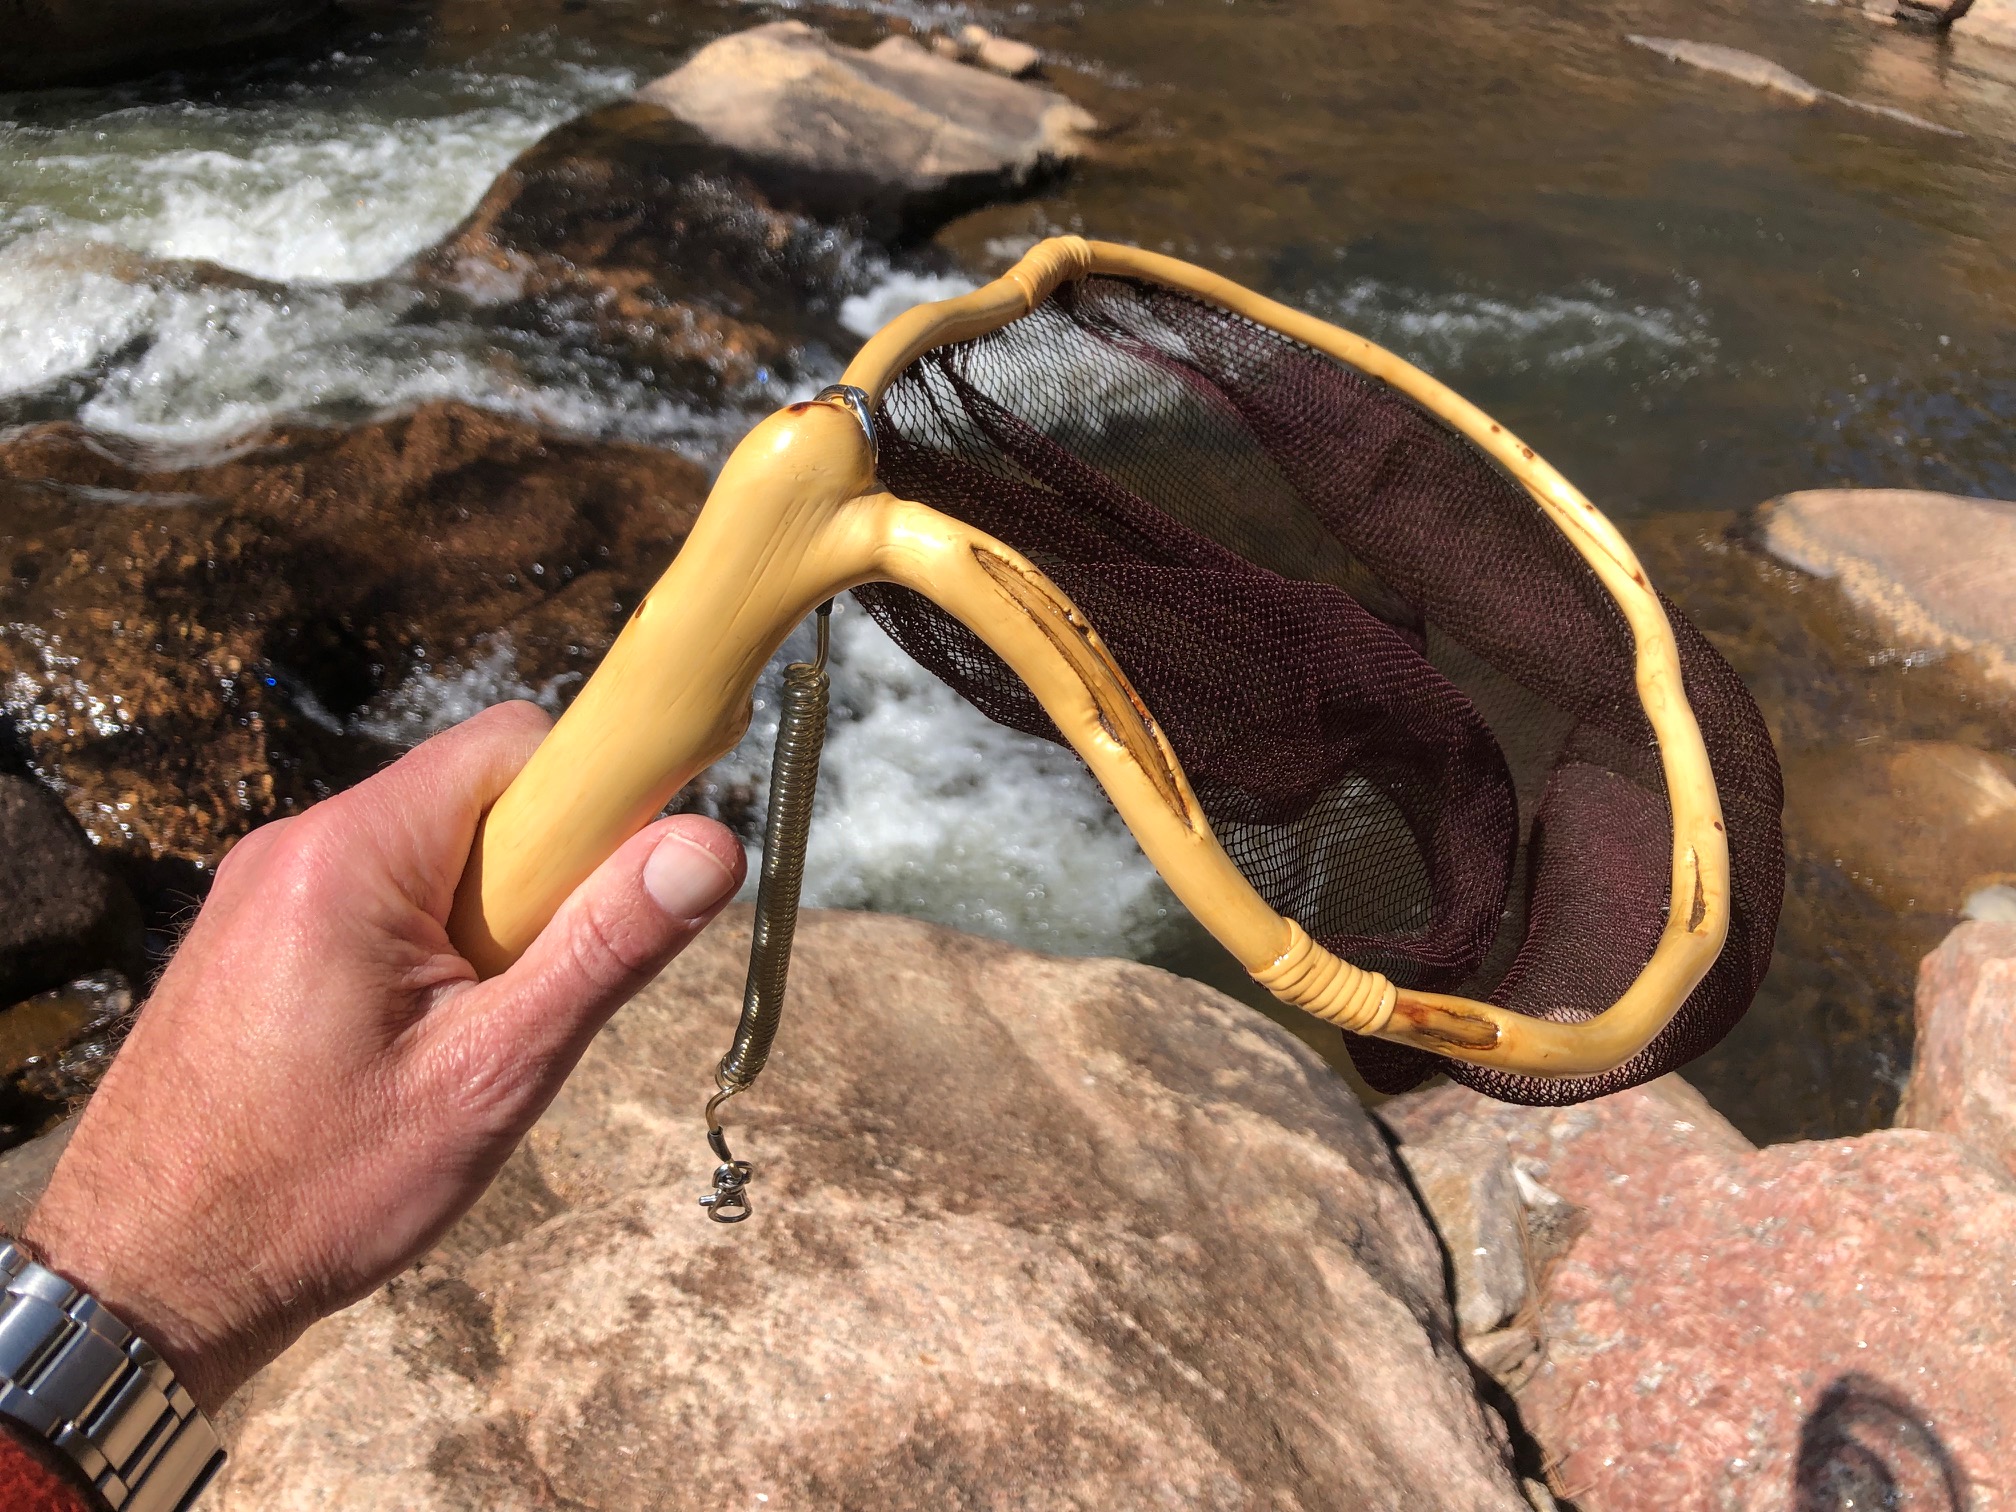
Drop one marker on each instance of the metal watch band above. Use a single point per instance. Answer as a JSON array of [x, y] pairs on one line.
[[79, 1378]]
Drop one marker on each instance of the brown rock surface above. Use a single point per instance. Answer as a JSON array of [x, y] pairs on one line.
[[1938, 571], [1806, 1326], [1963, 1078], [677, 260], [186, 645], [1029, 1233], [896, 122]]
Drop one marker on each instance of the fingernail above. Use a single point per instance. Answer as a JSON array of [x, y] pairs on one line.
[[684, 879]]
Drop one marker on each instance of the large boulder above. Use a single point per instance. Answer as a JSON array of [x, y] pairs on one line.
[[1936, 571], [1029, 1233], [1963, 1077], [189, 651], [895, 134], [1805, 1326], [57, 41], [685, 266]]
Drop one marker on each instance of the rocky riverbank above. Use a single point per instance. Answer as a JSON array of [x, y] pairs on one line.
[[1083, 1229]]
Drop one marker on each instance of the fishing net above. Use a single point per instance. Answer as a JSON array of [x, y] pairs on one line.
[[1405, 702]]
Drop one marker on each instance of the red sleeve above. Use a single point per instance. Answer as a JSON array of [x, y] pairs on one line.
[[33, 1482]]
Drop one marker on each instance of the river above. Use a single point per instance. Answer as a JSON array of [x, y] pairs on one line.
[[1690, 295]]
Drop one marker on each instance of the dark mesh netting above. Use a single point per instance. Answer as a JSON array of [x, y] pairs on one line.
[[1405, 702]]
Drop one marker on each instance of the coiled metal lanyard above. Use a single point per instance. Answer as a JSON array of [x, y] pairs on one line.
[[794, 776]]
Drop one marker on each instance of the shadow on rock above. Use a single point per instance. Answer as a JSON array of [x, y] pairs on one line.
[[1866, 1446]]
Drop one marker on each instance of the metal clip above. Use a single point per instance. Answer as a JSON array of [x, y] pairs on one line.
[[855, 402], [729, 1201]]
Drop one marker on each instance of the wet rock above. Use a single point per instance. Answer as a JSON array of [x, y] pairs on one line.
[[1029, 1233], [1921, 824], [54, 1047], [902, 134], [194, 649], [57, 41], [1937, 571], [1748, 68], [1963, 1076], [67, 913], [678, 262], [1802, 1326]]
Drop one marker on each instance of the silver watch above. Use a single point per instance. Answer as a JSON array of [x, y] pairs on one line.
[[73, 1374]]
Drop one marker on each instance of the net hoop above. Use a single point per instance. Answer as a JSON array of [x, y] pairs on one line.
[[1698, 912]]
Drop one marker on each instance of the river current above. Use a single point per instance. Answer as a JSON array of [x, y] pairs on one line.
[[1690, 295]]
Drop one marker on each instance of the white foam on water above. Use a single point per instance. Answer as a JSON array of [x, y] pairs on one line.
[[895, 292], [936, 811], [57, 317], [431, 699], [1463, 331], [318, 189], [926, 807], [209, 363], [321, 186]]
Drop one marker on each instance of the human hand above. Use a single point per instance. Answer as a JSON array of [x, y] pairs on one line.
[[319, 1086]]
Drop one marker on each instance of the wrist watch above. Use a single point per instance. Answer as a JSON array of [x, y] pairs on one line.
[[75, 1376]]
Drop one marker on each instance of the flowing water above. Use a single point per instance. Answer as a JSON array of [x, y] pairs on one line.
[[1690, 295]]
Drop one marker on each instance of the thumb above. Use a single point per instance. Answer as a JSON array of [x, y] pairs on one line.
[[520, 1033]]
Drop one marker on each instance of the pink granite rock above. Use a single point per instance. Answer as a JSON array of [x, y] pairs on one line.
[[1963, 1078], [1804, 1327]]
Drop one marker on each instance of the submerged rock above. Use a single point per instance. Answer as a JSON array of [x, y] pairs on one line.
[[1920, 823], [1963, 1077], [1748, 68], [1937, 571], [904, 136], [1733, 63], [57, 41], [1802, 1326], [191, 650], [1029, 1233]]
